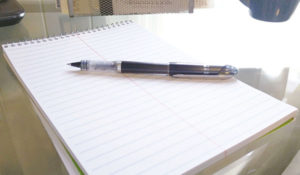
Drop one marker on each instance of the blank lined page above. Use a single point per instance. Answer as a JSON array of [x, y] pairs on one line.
[[138, 124]]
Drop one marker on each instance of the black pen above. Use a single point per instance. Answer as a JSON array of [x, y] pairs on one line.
[[172, 69]]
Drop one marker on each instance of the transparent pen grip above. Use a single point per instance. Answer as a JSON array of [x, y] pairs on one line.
[[101, 66]]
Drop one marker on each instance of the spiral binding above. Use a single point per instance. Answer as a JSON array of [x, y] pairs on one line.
[[57, 37]]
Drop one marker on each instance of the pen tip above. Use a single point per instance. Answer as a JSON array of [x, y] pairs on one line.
[[75, 64]]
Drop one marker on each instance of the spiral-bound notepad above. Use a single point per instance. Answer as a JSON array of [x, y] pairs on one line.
[[138, 124]]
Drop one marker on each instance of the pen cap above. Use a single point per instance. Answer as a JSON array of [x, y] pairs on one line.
[[186, 69]]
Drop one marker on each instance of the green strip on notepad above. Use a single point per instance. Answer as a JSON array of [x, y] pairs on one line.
[[75, 163], [280, 126]]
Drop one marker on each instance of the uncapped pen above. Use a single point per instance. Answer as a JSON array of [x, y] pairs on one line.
[[172, 69]]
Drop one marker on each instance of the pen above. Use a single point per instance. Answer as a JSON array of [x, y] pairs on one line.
[[172, 69]]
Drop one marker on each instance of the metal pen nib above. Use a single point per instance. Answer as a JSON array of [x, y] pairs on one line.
[[75, 64]]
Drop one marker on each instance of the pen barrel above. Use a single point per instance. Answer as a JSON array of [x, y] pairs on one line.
[[144, 68]]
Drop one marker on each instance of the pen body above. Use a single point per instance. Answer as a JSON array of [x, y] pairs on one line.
[[172, 69]]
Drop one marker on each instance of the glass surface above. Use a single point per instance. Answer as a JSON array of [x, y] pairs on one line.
[[266, 53]]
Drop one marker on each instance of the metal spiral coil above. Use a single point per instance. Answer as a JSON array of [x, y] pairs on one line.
[[57, 37]]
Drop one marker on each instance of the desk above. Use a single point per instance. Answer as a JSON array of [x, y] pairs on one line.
[[223, 35]]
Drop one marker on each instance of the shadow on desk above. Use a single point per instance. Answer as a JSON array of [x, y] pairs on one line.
[[272, 153], [25, 147]]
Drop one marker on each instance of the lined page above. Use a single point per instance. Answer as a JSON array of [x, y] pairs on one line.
[[139, 124]]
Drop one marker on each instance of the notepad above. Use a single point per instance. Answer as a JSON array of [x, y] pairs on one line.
[[138, 124]]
